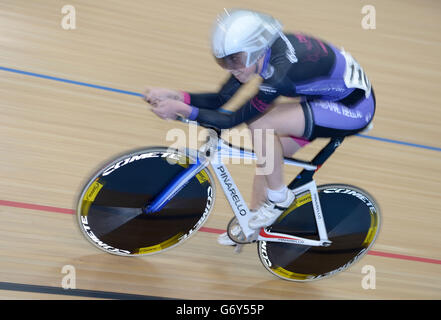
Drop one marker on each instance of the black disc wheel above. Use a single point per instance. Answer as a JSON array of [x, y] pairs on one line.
[[111, 206], [352, 220]]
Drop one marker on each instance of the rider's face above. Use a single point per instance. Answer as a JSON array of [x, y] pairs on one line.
[[245, 74]]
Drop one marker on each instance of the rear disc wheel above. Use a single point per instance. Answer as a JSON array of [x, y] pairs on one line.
[[352, 220]]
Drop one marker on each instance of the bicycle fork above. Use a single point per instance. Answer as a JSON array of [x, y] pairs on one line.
[[176, 185]]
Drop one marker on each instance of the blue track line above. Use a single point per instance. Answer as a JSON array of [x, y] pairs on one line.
[[70, 81], [226, 111], [399, 142]]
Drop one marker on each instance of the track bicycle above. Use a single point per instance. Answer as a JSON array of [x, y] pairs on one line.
[[151, 200]]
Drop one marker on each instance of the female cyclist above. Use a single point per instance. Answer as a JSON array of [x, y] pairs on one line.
[[336, 98]]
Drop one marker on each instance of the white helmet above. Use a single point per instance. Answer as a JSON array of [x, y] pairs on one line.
[[241, 37]]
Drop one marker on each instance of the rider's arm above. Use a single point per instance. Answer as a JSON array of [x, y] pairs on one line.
[[246, 113], [213, 100]]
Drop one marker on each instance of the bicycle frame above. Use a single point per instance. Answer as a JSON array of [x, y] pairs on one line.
[[242, 212], [212, 153]]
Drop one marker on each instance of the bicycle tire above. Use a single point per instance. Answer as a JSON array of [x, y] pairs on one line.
[[352, 218], [110, 206]]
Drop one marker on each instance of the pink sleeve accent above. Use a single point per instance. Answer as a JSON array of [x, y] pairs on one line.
[[301, 142], [186, 97], [259, 105]]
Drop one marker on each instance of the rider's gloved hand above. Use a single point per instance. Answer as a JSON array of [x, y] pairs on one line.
[[170, 109], [154, 95]]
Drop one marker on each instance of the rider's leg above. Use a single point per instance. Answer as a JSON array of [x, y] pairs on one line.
[[311, 119], [281, 121], [290, 146]]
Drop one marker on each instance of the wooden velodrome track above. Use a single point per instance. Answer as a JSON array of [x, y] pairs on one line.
[[60, 120]]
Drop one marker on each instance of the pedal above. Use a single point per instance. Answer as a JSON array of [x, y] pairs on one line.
[[236, 234], [238, 248]]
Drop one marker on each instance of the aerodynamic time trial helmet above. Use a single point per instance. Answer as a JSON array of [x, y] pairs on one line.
[[241, 37]]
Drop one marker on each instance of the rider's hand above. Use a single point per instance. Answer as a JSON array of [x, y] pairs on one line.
[[170, 109], [155, 95]]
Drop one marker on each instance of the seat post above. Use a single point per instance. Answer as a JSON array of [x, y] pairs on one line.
[[306, 175]]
